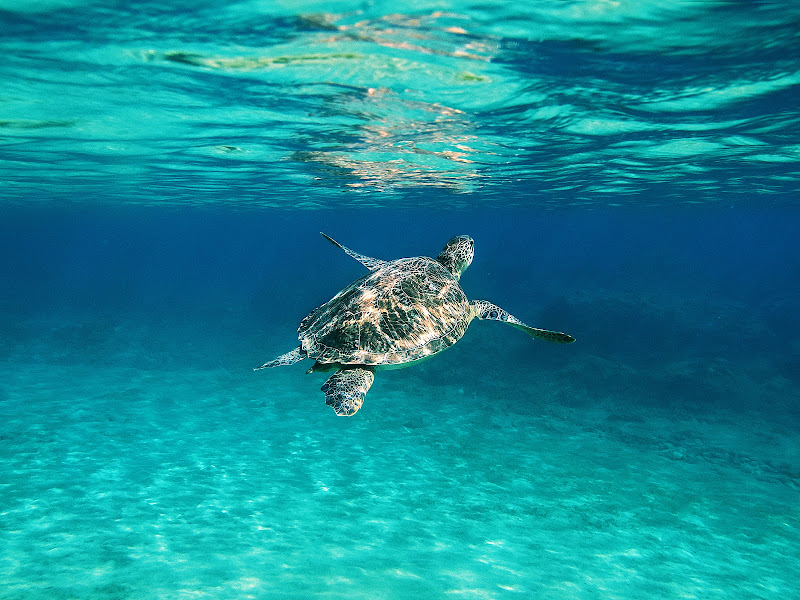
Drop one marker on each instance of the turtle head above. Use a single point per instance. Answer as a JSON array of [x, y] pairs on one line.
[[457, 254]]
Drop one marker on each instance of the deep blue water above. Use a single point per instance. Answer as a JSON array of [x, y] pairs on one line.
[[629, 173]]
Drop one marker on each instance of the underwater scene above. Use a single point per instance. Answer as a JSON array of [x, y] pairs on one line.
[[628, 175]]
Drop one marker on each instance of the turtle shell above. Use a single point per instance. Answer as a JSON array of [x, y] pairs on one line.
[[404, 311]]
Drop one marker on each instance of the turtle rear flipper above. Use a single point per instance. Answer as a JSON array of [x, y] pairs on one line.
[[345, 390], [289, 358], [486, 310]]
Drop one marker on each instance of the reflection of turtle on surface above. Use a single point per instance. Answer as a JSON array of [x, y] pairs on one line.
[[401, 312]]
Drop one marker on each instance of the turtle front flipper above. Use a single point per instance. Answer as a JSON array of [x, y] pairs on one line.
[[289, 358], [482, 309], [373, 264], [345, 390]]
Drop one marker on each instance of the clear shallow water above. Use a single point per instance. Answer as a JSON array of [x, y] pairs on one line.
[[629, 173]]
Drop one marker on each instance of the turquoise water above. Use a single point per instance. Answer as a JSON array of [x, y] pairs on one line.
[[629, 172]]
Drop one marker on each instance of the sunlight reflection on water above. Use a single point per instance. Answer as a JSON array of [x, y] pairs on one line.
[[508, 104]]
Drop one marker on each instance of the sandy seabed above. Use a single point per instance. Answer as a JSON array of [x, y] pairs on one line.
[[175, 482]]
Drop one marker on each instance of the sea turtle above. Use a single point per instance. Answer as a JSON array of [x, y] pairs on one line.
[[401, 312]]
